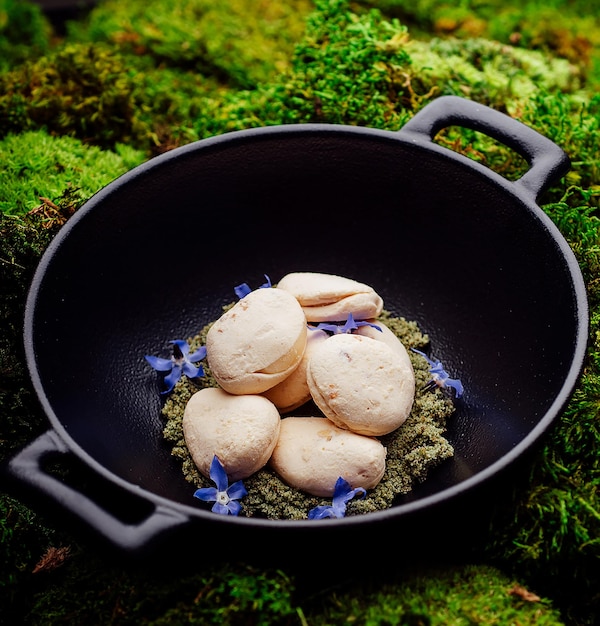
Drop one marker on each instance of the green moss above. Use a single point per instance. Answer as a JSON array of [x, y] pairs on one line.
[[81, 90], [499, 75], [85, 591], [169, 100], [347, 69], [573, 122], [558, 28], [460, 597], [239, 42], [21, 539], [350, 68], [365, 69], [24, 32], [37, 165]]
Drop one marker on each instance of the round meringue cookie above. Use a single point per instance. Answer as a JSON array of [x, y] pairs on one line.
[[241, 430], [293, 392], [312, 453], [361, 384], [258, 342], [330, 298], [388, 337]]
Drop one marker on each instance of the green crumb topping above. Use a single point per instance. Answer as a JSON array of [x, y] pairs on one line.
[[413, 449]]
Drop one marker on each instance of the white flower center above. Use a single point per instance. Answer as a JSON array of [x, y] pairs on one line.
[[223, 498]]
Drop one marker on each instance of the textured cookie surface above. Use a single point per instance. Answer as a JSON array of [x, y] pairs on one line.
[[312, 453], [331, 298], [361, 384], [241, 430], [258, 342]]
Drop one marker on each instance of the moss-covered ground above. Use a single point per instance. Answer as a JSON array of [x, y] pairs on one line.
[[125, 81]]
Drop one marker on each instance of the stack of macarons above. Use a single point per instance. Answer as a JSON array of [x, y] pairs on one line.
[[268, 359]]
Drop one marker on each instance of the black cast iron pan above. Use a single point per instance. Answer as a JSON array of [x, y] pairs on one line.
[[446, 241]]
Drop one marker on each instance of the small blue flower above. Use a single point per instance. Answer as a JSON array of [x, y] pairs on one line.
[[180, 363], [342, 494], [440, 377], [244, 289], [348, 327], [224, 497]]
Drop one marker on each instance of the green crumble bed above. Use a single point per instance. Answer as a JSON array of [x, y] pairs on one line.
[[412, 450]]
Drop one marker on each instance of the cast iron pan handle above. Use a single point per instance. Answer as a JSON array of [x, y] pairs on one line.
[[26, 466], [547, 161]]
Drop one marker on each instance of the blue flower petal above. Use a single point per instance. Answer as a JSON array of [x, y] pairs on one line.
[[210, 494], [348, 327], [161, 365], [332, 328], [351, 494], [342, 487], [182, 345], [172, 378], [456, 385], [350, 324], [343, 492], [321, 512], [191, 371], [198, 355], [242, 290], [338, 509], [424, 356], [218, 475], [234, 507], [207, 494], [180, 363], [237, 490], [220, 508], [440, 377]]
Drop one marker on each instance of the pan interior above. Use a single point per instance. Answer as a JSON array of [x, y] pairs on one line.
[[154, 256]]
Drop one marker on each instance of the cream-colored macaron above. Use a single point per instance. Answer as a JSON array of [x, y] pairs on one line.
[[293, 392], [241, 430], [312, 453], [361, 384], [258, 342], [330, 298]]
